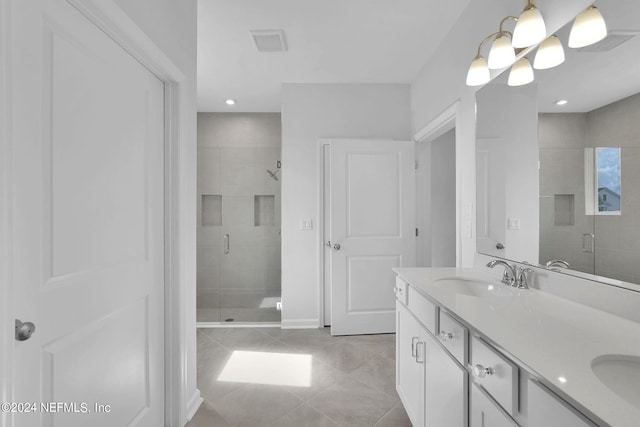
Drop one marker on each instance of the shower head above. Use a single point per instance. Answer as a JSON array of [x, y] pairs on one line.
[[273, 174]]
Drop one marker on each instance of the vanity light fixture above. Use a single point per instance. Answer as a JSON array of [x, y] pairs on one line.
[[521, 73], [502, 53], [550, 54], [478, 72], [588, 28], [530, 28], [230, 101]]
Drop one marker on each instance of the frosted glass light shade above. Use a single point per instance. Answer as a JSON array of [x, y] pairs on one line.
[[521, 73], [550, 54], [478, 72], [530, 29], [588, 28], [501, 54]]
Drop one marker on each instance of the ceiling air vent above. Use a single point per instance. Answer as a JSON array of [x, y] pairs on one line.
[[614, 39], [269, 40]]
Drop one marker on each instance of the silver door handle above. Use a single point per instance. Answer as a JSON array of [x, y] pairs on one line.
[[336, 246], [226, 244], [24, 330]]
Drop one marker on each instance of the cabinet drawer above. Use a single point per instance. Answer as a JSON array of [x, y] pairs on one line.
[[546, 409], [496, 374], [401, 290], [454, 337], [423, 309], [485, 413]]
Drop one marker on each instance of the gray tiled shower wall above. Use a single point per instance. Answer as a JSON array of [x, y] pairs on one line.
[[234, 153], [562, 140]]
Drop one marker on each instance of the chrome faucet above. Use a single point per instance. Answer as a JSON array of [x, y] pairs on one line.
[[513, 275], [509, 275], [557, 263]]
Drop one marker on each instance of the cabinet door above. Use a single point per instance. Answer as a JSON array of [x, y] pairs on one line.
[[545, 409], [446, 388], [485, 412], [410, 355]]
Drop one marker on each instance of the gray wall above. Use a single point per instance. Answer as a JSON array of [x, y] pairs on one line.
[[310, 112], [443, 200], [234, 152]]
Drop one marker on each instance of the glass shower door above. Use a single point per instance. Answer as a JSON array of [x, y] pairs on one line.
[[239, 254]]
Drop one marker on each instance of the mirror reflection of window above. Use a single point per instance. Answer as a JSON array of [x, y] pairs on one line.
[[608, 185]]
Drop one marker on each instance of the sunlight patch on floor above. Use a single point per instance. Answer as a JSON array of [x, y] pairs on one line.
[[256, 367]]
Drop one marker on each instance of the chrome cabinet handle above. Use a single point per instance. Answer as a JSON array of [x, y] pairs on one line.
[[418, 345], [336, 246], [226, 244], [413, 346], [480, 371], [24, 330]]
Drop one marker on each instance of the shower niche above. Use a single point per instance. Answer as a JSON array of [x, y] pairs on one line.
[[238, 234]]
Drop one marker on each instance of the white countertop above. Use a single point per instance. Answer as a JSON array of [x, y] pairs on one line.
[[550, 336]]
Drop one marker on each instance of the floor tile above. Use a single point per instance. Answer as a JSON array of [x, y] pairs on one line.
[[304, 416], [352, 381], [207, 417], [343, 356], [351, 403], [378, 372], [396, 417], [255, 405]]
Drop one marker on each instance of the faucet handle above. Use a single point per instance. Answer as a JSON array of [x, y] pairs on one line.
[[521, 279]]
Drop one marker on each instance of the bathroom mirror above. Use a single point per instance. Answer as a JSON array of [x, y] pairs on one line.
[[562, 182]]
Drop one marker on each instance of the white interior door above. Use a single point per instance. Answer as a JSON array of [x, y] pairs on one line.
[[490, 196], [88, 223], [372, 230]]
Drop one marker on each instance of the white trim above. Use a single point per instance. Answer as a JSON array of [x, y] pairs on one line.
[[111, 19], [212, 325], [450, 118], [301, 324], [320, 232], [194, 404], [440, 124], [6, 311]]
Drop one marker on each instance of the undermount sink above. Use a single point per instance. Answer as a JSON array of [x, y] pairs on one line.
[[621, 374], [474, 288]]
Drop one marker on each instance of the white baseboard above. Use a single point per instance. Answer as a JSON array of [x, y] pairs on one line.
[[194, 404], [300, 324]]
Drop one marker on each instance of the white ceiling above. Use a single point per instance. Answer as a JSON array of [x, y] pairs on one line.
[[329, 41], [589, 80]]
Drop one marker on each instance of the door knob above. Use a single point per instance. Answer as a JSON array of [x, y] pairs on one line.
[[336, 246], [24, 330]]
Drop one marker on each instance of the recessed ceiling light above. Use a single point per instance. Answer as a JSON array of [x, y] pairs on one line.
[[562, 380], [561, 102], [230, 101]]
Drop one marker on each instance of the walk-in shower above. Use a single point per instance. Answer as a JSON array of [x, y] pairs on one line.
[[238, 271]]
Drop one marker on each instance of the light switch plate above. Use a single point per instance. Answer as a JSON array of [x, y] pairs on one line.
[[513, 224], [306, 224]]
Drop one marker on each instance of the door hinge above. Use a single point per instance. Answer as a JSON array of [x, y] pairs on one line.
[[417, 232], [416, 165]]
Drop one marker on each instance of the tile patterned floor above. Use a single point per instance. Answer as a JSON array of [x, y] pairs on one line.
[[352, 384]]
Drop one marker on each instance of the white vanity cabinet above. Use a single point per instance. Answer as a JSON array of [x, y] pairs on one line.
[[446, 385], [409, 370], [432, 384], [546, 409]]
